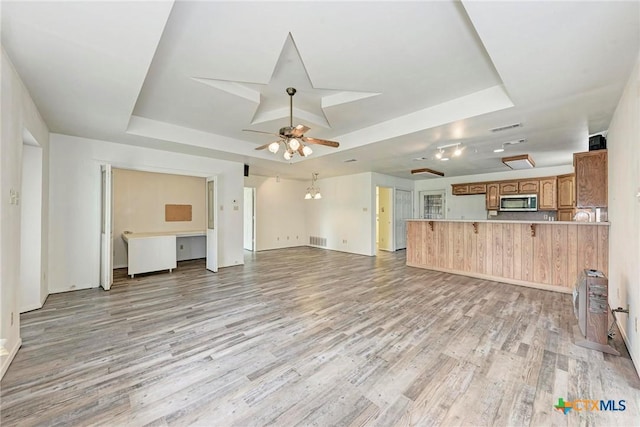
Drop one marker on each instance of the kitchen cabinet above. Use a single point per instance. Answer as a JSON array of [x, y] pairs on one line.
[[565, 215], [493, 196], [509, 187], [466, 189], [459, 189], [529, 186], [591, 179], [477, 188], [548, 200], [566, 191]]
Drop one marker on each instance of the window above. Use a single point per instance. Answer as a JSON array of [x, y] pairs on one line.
[[432, 204]]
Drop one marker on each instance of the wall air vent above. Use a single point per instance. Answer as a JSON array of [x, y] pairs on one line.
[[317, 241], [507, 127]]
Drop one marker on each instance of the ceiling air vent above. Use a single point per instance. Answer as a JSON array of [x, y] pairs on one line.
[[350, 161], [507, 127]]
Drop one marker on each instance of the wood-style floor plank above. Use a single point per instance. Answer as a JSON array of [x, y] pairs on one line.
[[305, 337]]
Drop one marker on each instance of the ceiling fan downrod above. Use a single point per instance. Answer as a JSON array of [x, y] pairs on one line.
[[291, 91]]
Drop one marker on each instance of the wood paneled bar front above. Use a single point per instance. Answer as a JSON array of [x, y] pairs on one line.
[[539, 254]]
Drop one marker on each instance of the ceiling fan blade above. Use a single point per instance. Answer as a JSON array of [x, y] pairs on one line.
[[299, 130], [320, 142], [260, 131], [262, 147]]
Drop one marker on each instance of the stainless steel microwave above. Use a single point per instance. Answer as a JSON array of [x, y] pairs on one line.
[[519, 203]]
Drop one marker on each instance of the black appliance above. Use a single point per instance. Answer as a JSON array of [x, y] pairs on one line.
[[597, 142]]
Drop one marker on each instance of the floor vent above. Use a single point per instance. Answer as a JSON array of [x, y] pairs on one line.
[[318, 241]]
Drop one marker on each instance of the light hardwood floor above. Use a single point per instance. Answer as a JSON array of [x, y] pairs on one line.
[[309, 337]]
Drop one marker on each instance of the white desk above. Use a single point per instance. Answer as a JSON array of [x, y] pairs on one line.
[[150, 251]]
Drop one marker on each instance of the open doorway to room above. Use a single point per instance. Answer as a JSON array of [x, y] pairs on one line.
[[384, 215], [32, 294], [249, 219], [159, 219]]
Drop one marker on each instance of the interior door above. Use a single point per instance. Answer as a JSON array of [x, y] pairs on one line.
[[403, 208], [212, 224], [106, 228]]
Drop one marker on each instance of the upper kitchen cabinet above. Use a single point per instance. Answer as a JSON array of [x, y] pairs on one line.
[[528, 186], [509, 187], [548, 200], [566, 191], [493, 196], [591, 179]]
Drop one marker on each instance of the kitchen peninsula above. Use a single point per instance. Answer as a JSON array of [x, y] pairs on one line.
[[539, 254]]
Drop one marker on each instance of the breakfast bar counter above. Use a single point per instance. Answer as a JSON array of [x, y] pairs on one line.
[[539, 254]]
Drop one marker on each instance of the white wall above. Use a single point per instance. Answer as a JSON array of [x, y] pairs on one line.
[[19, 113], [345, 215], [280, 212], [624, 212], [75, 203], [474, 207]]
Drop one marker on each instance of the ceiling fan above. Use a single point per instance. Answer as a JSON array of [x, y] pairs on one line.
[[293, 136]]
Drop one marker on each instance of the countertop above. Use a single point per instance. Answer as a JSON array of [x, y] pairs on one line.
[[187, 233], [515, 222]]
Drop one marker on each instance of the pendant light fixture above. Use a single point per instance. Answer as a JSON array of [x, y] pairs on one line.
[[313, 192]]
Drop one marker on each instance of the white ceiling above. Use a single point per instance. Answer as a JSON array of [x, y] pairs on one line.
[[390, 81]]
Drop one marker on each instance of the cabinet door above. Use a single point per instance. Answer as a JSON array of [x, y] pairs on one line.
[[493, 197], [565, 215], [478, 188], [510, 187], [591, 178], [566, 191], [528, 187], [548, 194], [459, 189]]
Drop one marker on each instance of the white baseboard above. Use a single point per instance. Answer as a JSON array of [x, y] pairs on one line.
[[6, 360], [625, 338]]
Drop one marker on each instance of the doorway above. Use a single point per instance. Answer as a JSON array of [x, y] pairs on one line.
[[249, 218], [33, 290], [384, 215]]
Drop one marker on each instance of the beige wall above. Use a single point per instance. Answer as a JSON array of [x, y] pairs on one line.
[[139, 199], [623, 143]]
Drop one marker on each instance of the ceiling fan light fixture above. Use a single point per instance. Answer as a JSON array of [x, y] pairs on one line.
[[318, 195], [274, 147], [308, 195], [307, 151], [294, 144], [287, 155]]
